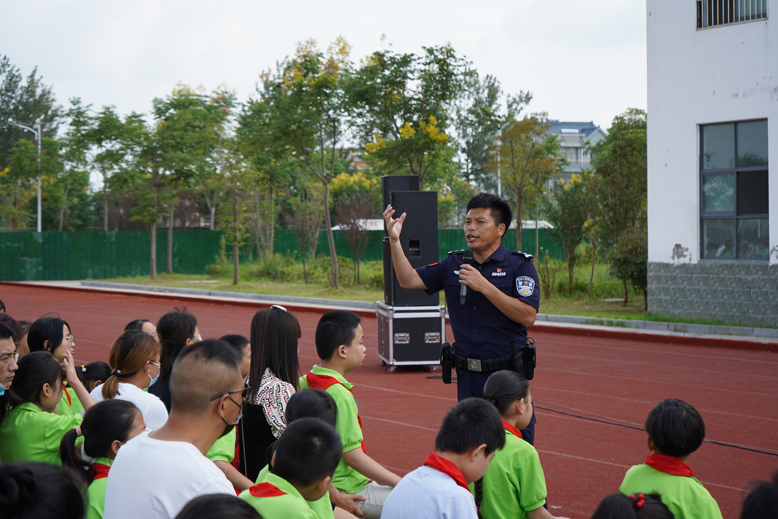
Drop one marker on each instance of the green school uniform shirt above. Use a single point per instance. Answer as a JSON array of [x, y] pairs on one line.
[[289, 505], [31, 434], [96, 493], [67, 407], [345, 478], [322, 507], [224, 448], [683, 495], [514, 482]]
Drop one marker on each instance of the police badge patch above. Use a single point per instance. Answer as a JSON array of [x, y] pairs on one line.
[[525, 286]]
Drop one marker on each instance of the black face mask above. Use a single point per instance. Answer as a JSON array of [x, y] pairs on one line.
[[227, 430]]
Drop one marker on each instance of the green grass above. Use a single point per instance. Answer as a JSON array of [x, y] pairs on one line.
[[280, 276]]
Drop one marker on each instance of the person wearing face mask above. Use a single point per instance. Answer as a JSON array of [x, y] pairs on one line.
[[54, 335], [158, 473], [8, 366], [134, 359]]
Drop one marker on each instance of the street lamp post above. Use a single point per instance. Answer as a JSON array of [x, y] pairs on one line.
[[38, 140]]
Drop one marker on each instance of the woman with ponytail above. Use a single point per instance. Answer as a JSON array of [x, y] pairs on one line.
[[176, 330], [514, 485], [134, 360], [32, 431], [106, 427]]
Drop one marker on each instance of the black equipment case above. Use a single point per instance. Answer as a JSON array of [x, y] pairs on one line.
[[410, 335]]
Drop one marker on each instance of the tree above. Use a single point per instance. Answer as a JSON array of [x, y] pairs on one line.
[[237, 182], [73, 182], [620, 181], [18, 187], [629, 260], [303, 212], [526, 156], [401, 105], [357, 200], [568, 210], [107, 139]]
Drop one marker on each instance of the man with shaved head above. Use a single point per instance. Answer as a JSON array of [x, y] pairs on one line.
[[156, 474]]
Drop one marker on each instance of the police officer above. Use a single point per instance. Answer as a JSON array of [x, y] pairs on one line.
[[502, 298]]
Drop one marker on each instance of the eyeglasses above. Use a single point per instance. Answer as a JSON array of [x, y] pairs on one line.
[[278, 307], [70, 337], [244, 389], [5, 358]]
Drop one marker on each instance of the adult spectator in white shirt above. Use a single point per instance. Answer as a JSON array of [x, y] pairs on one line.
[[156, 474], [134, 358]]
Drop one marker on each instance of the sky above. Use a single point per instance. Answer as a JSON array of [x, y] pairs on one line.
[[582, 61]]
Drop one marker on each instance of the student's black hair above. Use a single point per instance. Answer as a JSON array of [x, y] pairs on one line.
[[307, 403], [218, 506], [762, 500], [2, 306], [35, 369], [94, 371], [104, 423], [334, 329], [137, 324], [46, 329], [503, 388], [675, 427], [274, 341], [619, 506], [501, 210], [174, 329], [307, 451], [7, 330], [470, 423], [237, 341], [40, 490]]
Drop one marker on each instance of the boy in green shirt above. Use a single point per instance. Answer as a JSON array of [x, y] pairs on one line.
[[339, 344], [303, 464], [675, 430]]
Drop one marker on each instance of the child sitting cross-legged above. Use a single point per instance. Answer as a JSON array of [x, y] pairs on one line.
[[675, 430], [303, 464], [470, 434], [339, 345]]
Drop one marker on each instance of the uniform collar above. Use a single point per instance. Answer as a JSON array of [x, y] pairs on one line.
[[282, 485], [446, 467], [668, 464], [29, 406], [318, 370], [498, 255], [511, 429]]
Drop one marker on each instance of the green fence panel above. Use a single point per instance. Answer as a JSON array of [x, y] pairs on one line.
[[454, 239], [21, 256]]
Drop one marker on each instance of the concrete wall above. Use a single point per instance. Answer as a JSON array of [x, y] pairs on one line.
[[698, 77]]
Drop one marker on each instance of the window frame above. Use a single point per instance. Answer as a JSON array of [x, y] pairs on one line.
[[734, 172]]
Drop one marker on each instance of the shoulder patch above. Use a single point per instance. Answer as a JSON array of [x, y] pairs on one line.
[[460, 251], [525, 254], [525, 286]]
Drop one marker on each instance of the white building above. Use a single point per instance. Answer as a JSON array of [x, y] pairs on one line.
[[713, 159], [573, 139]]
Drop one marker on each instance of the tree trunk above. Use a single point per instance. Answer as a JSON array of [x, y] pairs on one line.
[[153, 267], [330, 237], [169, 266], [61, 218], [235, 262], [537, 234], [570, 271], [645, 300], [212, 210], [105, 211], [518, 222], [591, 276], [626, 293]]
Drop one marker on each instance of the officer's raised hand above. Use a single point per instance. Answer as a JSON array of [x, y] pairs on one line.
[[472, 278], [394, 226]]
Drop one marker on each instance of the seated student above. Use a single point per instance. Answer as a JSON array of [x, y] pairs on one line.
[[514, 486], [8, 366], [142, 325], [39, 491], [158, 473], [93, 374], [135, 356], [315, 403], [24, 348], [634, 506], [54, 335], [175, 331], [762, 500], [470, 434], [218, 506], [106, 427], [339, 344], [223, 451], [32, 430], [675, 430], [303, 464]]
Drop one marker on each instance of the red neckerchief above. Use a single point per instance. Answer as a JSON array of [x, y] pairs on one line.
[[511, 429], [446, 467], [101, 471], [65, 390], [325, 381], [266, 490], [669, 464]]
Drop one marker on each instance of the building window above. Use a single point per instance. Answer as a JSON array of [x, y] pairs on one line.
[[733, 191], [712, 13]]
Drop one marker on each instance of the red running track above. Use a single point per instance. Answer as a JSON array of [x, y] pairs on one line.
[[616, 380]]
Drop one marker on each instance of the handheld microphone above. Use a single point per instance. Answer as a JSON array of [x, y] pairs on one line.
[[467, 260]]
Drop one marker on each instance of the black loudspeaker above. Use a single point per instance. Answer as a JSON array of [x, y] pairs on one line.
[[419, 240], [397, 183]]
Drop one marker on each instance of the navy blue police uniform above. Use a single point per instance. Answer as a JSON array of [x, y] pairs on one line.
[[481, 330]]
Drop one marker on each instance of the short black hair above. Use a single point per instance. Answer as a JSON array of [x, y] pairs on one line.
[[40, 490], [619, 506], [218, 506], [137, 324], [201, 371], [312, 403], [97, 370], [308, 451], [6, 332], [35, 369], [762, 500], [501, 209], [174, 329], [470, 423], [2, 306], [239, 342], [675, 427], [46, 329], [334, 329]]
